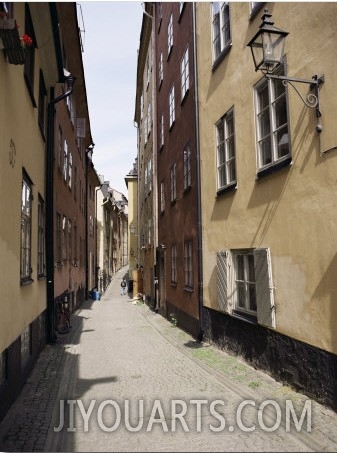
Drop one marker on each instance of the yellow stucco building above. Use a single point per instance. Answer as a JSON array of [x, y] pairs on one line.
[[268, 179]]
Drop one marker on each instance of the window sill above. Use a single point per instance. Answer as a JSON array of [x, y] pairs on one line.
[[221, 56], [227, 189], [188, 289], [26, 281], [272, 168], [243, 316]]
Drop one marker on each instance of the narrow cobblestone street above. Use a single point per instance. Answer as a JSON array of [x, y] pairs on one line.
[[126, 379]]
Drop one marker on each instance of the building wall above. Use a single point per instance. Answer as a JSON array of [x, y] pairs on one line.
[[177, 223], [22, 148], [291, 211]]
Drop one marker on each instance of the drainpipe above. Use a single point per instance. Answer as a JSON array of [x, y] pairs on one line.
[[70, 80], [200, 269]]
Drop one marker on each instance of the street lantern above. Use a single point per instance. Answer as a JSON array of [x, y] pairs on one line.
[[267, 45]]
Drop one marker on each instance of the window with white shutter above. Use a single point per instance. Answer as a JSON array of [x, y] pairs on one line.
[[245, 285]]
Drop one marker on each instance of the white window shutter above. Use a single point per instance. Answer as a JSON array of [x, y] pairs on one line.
[[264, 288], [224, 281]]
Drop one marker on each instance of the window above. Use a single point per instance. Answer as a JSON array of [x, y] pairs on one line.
[[161, 134], [221, 28], [162, 197], [61, 150], [42, 103], [172, 114], [26, 229], [149, 231], [29, 65], [41, 239], [58, 238], [70, 239], [64, 238], [141, 107], [245, 294], [185, 74], [170, 35], [272, 122], [75, 183], [245, 285], [160, 69], [226, 150], [188, 264], [26, 345], [149, 118], [173, 179], [70, 170], [75, 243], [187, 168], [65, 160], [174, 263]]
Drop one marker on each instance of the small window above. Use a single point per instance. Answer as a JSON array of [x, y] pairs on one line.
[[174, 264], [221, 28], [160, 69], [173, 179], [26, 229], [188, 264], [162, 197], [161, 133], [172, 114], [26, 345], [42, 103], [170, 35], [226, 166], [187, 168], [273, 145], [185, 74], [245, 285], [29, 66]]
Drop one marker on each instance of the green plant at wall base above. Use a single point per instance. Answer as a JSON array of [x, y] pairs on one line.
[[173, 319]]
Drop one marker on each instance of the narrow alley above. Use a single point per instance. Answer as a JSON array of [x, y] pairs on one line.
[[126, 379]]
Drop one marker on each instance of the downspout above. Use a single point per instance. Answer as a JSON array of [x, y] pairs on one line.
[[199, 221], [51, 334]]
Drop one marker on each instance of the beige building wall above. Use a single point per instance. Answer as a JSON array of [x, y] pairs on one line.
[[132, 186], [22, 146], [293, 211]]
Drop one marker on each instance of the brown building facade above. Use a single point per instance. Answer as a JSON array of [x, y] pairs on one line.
[[177, 178]]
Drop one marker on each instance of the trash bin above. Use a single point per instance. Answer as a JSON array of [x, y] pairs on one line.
[[95, 295]]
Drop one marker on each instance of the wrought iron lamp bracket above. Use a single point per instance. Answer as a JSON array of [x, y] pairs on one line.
[[312, 100]]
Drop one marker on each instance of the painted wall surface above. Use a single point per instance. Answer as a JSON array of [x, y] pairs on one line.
[[132, 186], [292, 211], [22, 146]]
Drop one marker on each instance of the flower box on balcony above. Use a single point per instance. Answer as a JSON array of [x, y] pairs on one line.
[[11, 41]]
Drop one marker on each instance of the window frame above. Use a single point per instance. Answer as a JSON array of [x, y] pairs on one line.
[[185, 74], [173, 183], [172, 114], [223, 146], [188, 265], [174, 264], [170, 35], [187, 165], [271, 114], [264, 287], [26, 229], [220, 31]]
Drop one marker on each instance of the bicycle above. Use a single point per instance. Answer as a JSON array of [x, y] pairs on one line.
[[63, 316]]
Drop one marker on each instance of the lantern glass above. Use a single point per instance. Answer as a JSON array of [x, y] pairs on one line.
[[267, 45]]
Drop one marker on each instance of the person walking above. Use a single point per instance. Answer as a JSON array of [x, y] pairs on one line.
[[123, 287]]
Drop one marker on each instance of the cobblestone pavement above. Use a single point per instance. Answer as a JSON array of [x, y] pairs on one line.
[[126, 379]]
